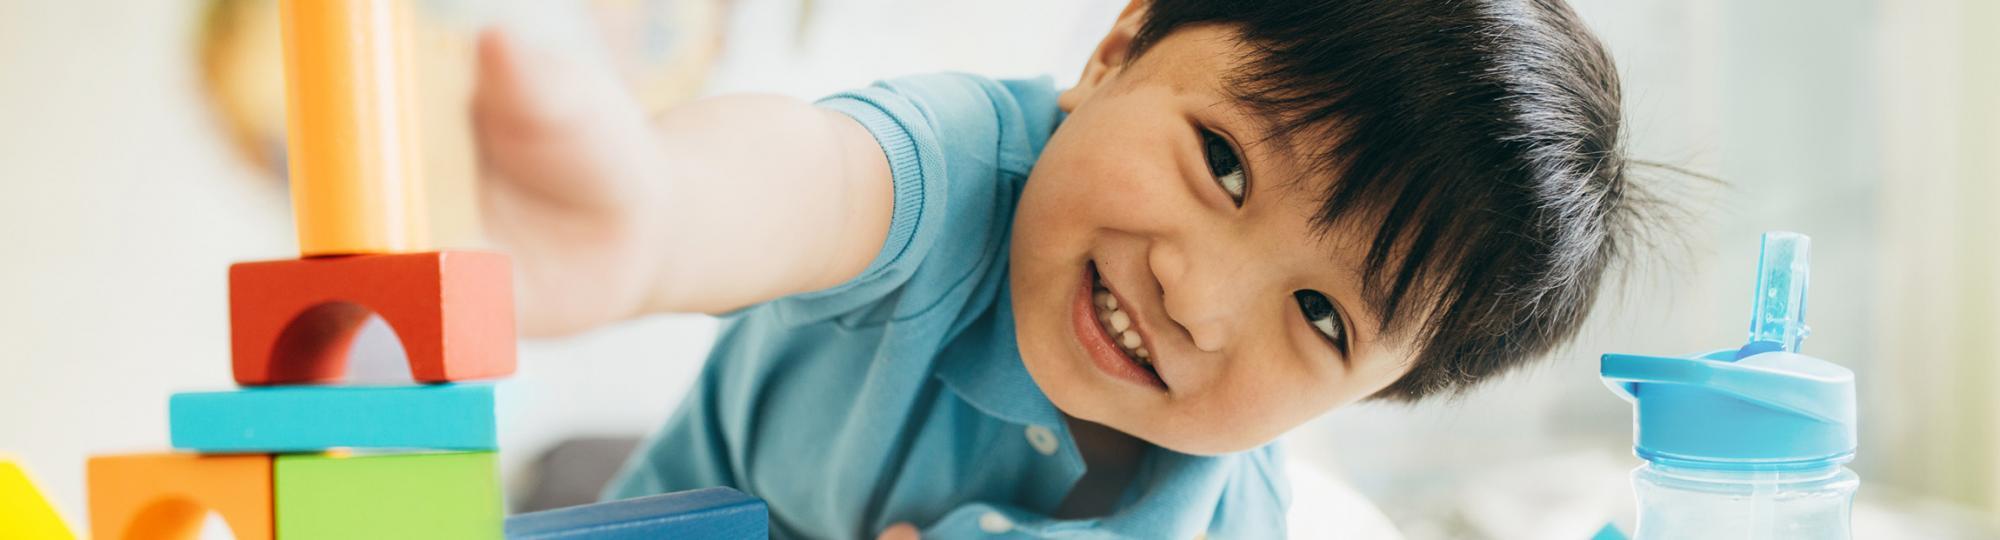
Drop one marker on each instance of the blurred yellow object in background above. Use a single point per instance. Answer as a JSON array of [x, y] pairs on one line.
[[351, 127], [24, 513]]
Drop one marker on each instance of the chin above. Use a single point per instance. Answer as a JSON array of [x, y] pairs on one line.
[[1193, 440], [1096, 406], [1191, 443]]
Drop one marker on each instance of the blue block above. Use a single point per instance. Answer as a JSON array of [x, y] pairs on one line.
[[314, 418], [716, 512]]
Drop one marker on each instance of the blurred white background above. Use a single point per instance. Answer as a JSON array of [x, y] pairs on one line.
[[1872, 125]]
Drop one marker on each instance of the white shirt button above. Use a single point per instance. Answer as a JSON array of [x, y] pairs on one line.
[[994, 523], [1043, 440]]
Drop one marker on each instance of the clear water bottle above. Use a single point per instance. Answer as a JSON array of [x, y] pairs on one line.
[[1749, 442]]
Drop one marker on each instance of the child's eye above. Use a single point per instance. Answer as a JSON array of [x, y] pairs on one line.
[[1224, 165], [1319, 311]]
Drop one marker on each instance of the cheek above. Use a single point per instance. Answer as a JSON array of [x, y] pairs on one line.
[[1102, 180], [1110, 154], [1252, 404], [1277, 396], [1089, 196]]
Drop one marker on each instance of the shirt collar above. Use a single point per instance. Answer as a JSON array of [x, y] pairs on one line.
[[1039, 112], [998, 383]]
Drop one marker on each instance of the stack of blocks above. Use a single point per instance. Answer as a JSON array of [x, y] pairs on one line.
[[288, 455], [294, 456], [423, 460]]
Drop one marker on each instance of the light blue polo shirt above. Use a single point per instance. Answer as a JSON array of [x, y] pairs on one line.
[[900, 396]]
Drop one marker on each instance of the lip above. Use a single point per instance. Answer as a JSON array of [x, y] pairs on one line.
[[1104, 354]]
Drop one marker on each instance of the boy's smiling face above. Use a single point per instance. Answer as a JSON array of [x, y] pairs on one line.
[[1160, 196]]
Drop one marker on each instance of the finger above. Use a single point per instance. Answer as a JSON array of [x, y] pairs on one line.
[[517, 87], [899, 531], [523, 92], [497, 72]]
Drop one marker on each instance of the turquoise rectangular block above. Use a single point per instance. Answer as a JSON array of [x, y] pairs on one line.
[[314, 418]]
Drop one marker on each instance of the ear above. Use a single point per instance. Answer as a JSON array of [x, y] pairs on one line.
[[1108, 60]]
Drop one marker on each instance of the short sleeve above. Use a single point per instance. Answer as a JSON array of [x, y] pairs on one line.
[[958, 148]]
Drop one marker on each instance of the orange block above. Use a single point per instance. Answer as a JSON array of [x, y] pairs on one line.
[[166, 496], [292, 321], [351, 126]]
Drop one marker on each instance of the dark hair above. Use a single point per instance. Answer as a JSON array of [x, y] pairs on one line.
[[1483, 135]]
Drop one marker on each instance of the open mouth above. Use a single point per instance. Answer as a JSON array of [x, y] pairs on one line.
[[1110, 334]]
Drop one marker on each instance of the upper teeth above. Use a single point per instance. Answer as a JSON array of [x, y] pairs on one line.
[[1119, 325]]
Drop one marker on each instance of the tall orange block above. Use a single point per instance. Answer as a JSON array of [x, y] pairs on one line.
[[351, 127], [292, 321], [166, 496]]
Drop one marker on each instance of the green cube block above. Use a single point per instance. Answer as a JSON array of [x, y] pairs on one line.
[[432, 496]]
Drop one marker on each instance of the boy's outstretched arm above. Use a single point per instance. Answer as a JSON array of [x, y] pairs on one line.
[[718, 204]]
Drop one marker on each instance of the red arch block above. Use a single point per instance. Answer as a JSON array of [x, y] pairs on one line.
[[292, 321]]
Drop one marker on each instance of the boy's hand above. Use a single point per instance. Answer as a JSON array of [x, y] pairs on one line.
[[899, 531], [565, 153], [714, 205]]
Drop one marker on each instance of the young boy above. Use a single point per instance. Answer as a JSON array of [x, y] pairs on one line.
[[976, 307]]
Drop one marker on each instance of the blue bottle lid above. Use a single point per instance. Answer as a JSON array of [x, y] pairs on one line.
[[1762, 406]]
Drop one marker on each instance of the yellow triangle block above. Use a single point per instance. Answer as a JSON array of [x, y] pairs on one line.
[[24, 513]]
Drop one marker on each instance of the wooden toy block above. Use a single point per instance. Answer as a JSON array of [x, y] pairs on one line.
[[427, 496], [313, 418], [351, 126], [718, 513], [292, 321], [166, 496], [24, 513]]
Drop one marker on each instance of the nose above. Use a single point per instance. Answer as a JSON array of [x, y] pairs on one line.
[[1210, 296]]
